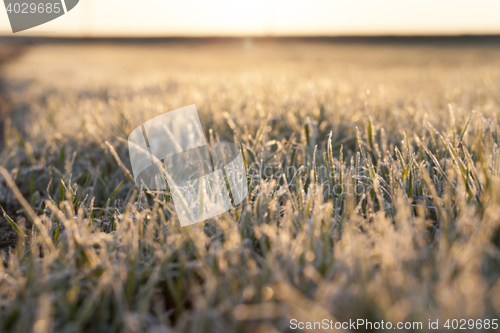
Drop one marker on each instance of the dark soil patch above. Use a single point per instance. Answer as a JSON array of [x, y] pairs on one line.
[[8, 237]]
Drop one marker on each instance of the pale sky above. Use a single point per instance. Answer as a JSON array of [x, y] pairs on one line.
[[269, 17]]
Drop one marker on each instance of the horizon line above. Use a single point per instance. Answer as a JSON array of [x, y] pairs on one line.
[[319, 37]]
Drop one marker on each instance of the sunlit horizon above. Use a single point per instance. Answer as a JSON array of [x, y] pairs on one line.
[[269, 18]]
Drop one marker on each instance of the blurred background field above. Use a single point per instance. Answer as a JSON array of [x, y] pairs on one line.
[[413, 123]]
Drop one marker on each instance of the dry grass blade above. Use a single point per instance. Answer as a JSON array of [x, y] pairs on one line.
[[120, 163]]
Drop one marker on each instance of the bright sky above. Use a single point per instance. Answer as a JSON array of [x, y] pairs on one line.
[[270, 17]]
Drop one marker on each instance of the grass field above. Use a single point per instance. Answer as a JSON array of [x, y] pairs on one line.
[[374, 187]]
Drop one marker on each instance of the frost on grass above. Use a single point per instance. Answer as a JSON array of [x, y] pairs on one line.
[[373, 189]]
